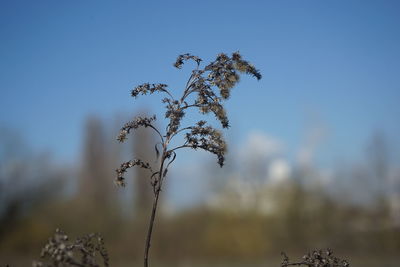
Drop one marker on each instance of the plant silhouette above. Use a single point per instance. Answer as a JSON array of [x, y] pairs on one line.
[[206, 90]]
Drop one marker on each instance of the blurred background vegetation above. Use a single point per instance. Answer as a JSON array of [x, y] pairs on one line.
[[256, 207]]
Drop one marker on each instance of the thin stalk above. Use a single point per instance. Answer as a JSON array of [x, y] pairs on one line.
[[157, 191], [150, 230]]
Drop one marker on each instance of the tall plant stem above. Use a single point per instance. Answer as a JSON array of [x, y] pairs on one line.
[[150, 230], [157, 190]]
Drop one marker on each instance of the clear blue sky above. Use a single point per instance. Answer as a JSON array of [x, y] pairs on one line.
[[338, 60]]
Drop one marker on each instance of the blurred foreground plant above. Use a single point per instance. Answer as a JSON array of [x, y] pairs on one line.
[[84, 251], [205, 90], [317, 258]]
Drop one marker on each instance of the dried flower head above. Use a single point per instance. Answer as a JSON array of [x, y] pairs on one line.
[[208, 139]]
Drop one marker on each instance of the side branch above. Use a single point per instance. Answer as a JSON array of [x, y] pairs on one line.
[[145, 88], [136, 123], [120, 180], [179, 147], [181, 130]]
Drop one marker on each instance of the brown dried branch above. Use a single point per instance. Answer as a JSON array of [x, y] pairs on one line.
[[120, 180], [145, 88], [180, 60], [136, 123]]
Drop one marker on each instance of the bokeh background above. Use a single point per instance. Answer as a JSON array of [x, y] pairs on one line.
[[314, 146]]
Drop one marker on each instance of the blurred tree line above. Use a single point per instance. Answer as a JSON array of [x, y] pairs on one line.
[[298, 214]]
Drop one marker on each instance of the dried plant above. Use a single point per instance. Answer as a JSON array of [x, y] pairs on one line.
[[84, 251], [317, 258], [206, 90]]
